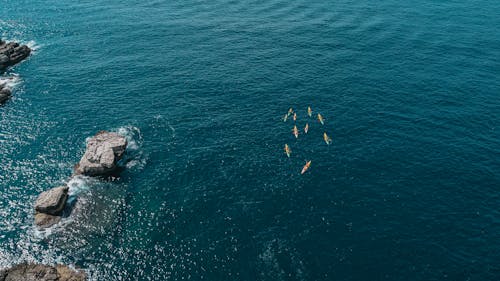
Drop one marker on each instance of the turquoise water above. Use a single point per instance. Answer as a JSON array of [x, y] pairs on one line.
[[409, 189]]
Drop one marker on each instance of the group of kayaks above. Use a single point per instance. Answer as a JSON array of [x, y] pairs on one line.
[[295, 132]]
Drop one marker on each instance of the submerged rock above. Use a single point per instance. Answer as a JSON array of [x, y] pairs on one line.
[[12, 53], [45, 220], [50, 205], [40, 272], [102, 153]]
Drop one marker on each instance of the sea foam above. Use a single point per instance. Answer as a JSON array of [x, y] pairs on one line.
[[134, 157], [79, 184], [11, 81]]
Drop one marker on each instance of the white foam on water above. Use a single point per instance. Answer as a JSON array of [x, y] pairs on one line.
[[33, 45], [40, 234], [79, 184], [10, 81], [134, 158], [138, 163], [133, 136]]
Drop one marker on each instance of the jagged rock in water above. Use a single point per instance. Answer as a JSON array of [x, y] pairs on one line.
[[49, 206], [12, 53], [52, 201], [40, 272], [102, 153], [5, 93]]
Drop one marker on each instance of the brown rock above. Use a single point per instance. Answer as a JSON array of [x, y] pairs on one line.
[[40, 272], [52, 201], [45, 220], [102, 153]]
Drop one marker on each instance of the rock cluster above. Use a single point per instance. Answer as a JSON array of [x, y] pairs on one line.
[[12, 53], [40, 272], [102, 154], [50, 205]]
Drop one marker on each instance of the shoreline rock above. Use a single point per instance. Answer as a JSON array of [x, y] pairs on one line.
[[103, 152], [40, 272], [12, 53], [49, 206]]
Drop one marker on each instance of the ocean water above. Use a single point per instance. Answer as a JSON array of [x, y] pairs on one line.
[[408, 190]]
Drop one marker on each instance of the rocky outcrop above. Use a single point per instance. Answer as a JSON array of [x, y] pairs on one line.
[[52, 201], [40, 272], [50, 205], [12, 53], [102, 153]]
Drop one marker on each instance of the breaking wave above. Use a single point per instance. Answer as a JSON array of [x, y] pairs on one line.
[[134, 157], [10, 82], [79, 184]]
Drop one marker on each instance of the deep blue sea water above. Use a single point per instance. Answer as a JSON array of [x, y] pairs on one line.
[[409, 189]]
